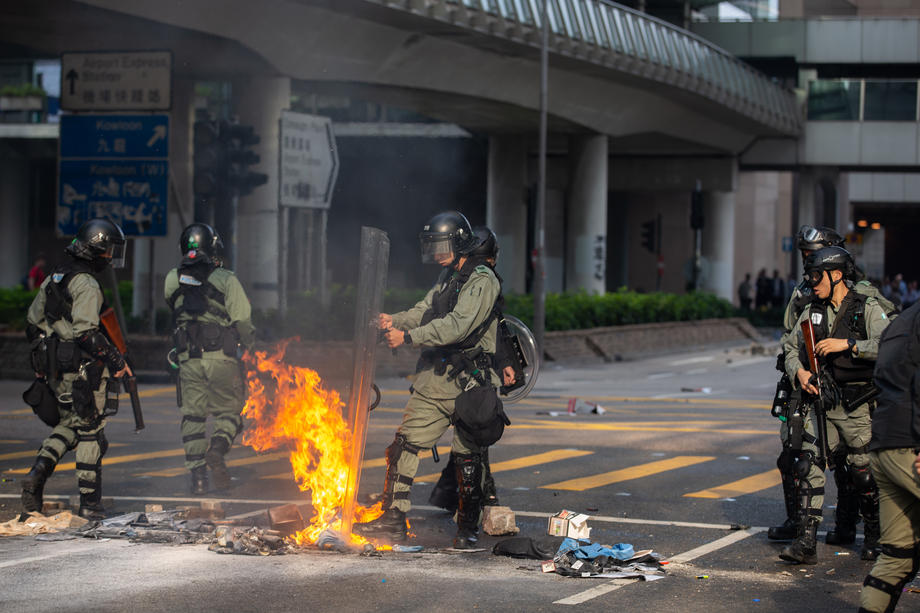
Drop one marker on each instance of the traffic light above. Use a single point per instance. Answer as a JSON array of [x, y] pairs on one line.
[[649, 231], [238, 139], [209, 160], [696, 210]]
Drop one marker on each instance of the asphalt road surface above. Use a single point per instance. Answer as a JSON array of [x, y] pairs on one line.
[[681, 461]]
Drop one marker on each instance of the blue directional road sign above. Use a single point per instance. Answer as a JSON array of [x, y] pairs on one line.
[[115, 167]]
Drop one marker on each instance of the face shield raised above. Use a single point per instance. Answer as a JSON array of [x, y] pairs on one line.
[[116, 255]]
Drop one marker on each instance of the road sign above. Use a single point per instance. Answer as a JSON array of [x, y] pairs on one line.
[[309, 161], [116, 167], [116, 81]]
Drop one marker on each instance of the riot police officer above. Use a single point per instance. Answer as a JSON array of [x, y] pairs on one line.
[[444, 493], [212, 329], [847, 327], [846, 513], [455, 324], [78, 362], [894, 453]]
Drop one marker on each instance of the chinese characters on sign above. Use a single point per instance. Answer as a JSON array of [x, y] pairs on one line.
[[309, 161], [116, 167], [110, 81]]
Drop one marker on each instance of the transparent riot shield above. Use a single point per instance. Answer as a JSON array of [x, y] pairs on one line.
[[372, 276], [532, 357]]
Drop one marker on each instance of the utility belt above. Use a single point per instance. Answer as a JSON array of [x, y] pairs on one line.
[[475, 364], [196, 337], [51, 357]]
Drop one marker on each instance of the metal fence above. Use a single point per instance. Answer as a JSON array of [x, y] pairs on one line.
[[625, 40]]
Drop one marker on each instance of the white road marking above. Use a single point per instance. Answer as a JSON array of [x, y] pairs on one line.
[[696, 371], [750, 361], [702, 358], [680, 558], [660, 375]]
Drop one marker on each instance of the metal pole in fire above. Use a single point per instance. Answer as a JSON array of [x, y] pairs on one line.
[[539, 260]]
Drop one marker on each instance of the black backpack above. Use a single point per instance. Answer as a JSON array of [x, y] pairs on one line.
[[479, 414]]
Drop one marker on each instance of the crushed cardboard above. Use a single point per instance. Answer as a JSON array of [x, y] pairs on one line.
[[36, 523]]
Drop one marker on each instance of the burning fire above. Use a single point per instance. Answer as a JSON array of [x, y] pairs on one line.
[[296, 411]]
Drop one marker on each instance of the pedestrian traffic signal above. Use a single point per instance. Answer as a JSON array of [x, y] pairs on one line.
[[649, 232], [240, 157], [696, 210]]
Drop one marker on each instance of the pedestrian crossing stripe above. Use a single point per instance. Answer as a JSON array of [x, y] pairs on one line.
[[523, 462], [627, 474], [748, 485]]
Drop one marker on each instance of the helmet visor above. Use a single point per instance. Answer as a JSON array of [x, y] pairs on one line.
[[813, 277], [116, 255], [436, 249]]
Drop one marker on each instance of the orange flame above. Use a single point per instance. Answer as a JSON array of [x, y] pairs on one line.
[[296, 411]]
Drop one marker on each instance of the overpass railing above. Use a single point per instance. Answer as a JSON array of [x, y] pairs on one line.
[[605, 33]]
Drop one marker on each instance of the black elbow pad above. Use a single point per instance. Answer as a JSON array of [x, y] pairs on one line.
[[97, 345]]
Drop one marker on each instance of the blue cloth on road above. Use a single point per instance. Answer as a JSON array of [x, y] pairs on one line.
[[586, 550]]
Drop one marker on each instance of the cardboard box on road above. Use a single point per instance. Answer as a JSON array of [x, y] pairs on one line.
[[570, 524]]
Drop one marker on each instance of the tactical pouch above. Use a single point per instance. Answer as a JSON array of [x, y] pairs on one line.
[[180, 339], [211, 337], [39, 356], [66, 352], [480, 416], [111, 397], [231, 340], [41, 398], [84, 404]]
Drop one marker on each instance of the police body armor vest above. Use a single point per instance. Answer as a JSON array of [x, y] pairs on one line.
[[850, 323], [59, 306], [199, 296], [896, 420]]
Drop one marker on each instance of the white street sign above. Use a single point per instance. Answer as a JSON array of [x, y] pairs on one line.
[[116, 81], [309, 161]]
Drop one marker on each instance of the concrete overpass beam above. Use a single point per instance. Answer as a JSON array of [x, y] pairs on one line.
[[718, 246], [258, 101], [586, 220], [506, 208]]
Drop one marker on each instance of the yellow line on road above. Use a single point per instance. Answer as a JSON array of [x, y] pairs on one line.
[[626, 474], [523, 462], [10, 441], [31, 454], [748, 485], [257, 459], [157, 391], [571, 425], [122, 459], [375, 463]]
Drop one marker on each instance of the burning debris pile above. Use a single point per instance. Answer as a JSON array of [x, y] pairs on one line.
[[288, 407]]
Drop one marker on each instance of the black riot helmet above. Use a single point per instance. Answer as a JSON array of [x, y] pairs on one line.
[[827, 259], [488, 243], [812, 238], [446, 234], [200, 242], [99, 242]]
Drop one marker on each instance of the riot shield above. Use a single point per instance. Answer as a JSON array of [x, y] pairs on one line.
[[372, 275], [532, 357]]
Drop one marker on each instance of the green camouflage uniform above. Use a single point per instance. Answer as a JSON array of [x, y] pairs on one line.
[[211, 381], [85, 435], [429, 410]]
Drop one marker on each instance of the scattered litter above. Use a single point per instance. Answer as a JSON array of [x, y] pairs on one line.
[[570, 524], [522, 489], [738, 527], [658, 454], [7, 480], [831, 571], [383, 581], [729, 500], [286, 519], [623, 494], [407, 548], [699, 390], [330, 540], [498, 521], [36, 523], [755, 599], [527, 548], [548, 567], [591, 509], [555, 413], [743, 457], [583, 407], [582, 558], [702, 576], [56, 536], [841, 553], [248, 541]]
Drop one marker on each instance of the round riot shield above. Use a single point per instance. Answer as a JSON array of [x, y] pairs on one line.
[[531, 357]]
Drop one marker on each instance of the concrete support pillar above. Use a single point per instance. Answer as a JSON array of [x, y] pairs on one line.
[[506, 208], [586, 220], [718, 247], [258, 102]]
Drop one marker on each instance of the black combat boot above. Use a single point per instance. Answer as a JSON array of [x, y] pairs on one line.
[[846, 515], [199, 481], [33, 486], [786, 531], [868, 506], [391, 526], [489, 493], [91, 506], [803, 550], [469, 480], [214, 457]]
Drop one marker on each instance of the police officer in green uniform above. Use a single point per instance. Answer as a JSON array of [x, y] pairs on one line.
[[847, 327], [846, 512], [894, 453], [213, 327], [78, 362], [455, 325]]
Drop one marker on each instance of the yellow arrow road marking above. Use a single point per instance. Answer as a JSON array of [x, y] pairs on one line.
[[748, 485], [627, 474], [525, 461]]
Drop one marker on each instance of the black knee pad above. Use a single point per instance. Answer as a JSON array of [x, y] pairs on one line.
[[469, 474], [399, 445], [861, 478], [803, 464]]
